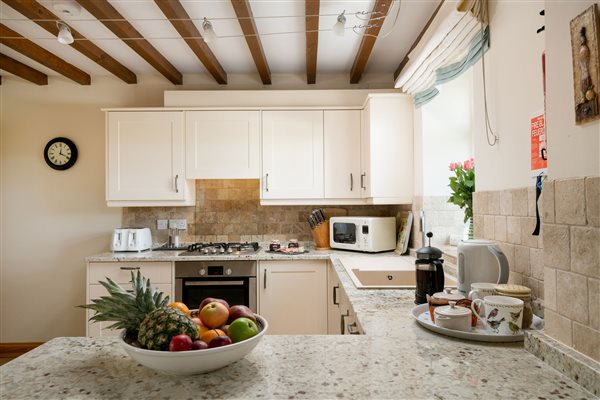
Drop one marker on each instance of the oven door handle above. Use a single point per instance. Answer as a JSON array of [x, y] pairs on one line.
[[213, 283]]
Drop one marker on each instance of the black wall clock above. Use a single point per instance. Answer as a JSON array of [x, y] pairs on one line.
[[60, 153]]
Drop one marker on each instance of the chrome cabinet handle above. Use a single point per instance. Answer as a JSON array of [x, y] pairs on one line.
[[267, 183], [130, 268], [352, 329], [265, 279], [362, 180], [176, 185], [351, 182], [335, 302]]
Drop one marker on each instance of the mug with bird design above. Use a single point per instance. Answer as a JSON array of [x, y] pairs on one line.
[[502, 315]]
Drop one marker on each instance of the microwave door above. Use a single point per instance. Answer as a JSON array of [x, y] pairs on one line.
[[344, 232]]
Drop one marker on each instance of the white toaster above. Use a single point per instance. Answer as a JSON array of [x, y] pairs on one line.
[[131, 239]]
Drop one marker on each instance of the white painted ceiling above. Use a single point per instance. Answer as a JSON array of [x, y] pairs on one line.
[[280, 23]]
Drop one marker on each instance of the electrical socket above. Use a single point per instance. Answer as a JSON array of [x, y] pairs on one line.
[[178, 224], [162, 224]]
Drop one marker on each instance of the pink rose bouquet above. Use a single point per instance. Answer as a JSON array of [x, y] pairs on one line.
[[463, 185]]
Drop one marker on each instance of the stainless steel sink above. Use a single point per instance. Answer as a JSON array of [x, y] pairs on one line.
[[385, 272]]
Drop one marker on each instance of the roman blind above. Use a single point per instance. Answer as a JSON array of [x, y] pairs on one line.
[[455, 40]]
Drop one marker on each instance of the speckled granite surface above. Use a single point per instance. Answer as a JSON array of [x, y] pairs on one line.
[[395, 359]]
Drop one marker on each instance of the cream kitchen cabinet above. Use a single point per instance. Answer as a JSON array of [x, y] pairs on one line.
[[292, 154], [333, 302], [342, 152], [222, 144], [387, 149], [159, 273], [146, 159], [292, 296]]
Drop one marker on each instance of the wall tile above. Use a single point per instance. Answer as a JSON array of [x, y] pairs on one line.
[[519, 202], [558, 327], [531, 201], [480, 202], [536, 263], [515, 278], [569, 201], [585, 251], [488, 227], [547, 201], [500, 228], [527, 227], [592, 200], [594, 302], [550, 288], [478, 226], [585, 340], [556, 246], [513, 229], [494, 202], [572, 296], [506, 202], [522, 260]]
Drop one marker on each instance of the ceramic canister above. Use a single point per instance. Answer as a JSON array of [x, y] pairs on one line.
[[503, 315], [453, 317]]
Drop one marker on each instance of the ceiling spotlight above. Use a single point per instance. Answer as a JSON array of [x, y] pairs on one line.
[[64, 33], [340, 26], [209, 33]]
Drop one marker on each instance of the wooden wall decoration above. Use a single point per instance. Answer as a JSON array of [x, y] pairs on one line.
[[586, 65]]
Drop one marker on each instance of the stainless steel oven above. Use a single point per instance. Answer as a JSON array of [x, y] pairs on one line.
[[230, 280]]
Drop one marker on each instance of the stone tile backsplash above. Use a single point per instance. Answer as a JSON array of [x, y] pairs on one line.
[[230, 210], [562, 265]]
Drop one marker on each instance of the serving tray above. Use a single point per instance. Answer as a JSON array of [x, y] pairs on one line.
[[421, 314]]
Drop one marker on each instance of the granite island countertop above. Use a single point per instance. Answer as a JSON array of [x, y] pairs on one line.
[[395, 359]]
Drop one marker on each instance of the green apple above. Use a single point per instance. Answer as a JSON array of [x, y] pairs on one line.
[[242, 329]]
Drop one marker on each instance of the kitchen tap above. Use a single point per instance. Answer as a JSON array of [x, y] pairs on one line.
[[174, 237]]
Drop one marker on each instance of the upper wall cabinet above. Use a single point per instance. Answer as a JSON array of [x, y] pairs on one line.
[[387, 149], [292, 155], [146, 159], [222, 144], [341, 132]]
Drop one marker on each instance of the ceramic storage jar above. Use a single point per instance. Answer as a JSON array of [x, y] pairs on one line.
[[519, 292]]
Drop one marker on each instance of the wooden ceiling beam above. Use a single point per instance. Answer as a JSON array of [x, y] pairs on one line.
[[113, 20], [47, 20], [380, 11], [22, 71], [181, 21], [37, 53], [312, 8], [244, 14], [405, 59]]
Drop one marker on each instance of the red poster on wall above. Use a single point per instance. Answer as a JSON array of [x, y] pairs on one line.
[[539, 159]]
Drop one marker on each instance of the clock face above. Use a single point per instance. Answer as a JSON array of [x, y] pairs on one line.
[[60, 153]]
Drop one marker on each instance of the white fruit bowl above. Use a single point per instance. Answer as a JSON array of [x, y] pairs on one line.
[[195, 361]]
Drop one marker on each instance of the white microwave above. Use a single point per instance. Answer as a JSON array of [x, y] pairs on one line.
[[367, 234]]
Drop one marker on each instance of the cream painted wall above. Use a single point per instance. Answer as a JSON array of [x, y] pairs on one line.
[[50, 220], [513, 68], [573, 151]]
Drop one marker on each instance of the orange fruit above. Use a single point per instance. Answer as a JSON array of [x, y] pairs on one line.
[[181, 307], [211, 334]]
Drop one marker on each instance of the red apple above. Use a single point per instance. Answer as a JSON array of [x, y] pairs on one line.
[[180, 343], [236, 312], [214, 315], [219, 341], [210, 300], [199, 345]]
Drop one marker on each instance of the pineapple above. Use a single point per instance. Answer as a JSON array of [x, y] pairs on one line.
[[161, 325], [127, 310]]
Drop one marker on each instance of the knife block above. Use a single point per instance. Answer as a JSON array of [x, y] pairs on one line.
[[321, 235]]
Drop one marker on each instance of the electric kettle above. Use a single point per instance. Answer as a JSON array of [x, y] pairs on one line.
[[480, 261], [429, 268]]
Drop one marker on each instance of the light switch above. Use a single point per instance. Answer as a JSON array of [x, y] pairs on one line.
[[177, 224], [162, 224]]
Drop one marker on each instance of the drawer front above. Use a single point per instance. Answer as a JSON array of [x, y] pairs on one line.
[[120, 272], [100, 328]]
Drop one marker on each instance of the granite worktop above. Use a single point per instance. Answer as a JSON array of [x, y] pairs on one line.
[[395, 359]]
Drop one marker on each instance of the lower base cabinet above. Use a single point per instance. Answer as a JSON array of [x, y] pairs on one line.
[[341, 319], [292, 296]]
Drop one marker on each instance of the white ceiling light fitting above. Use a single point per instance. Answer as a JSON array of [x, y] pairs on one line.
[[208, 31], [64, 33], [340, 26]]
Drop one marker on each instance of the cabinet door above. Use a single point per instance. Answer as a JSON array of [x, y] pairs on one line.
[[333, 302], [100, 328], [146, 156], [222, 144], [292, 155], [342, 130], [365, 152], [292, 296]]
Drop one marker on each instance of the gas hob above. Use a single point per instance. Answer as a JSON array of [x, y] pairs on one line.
[[225, 249]]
